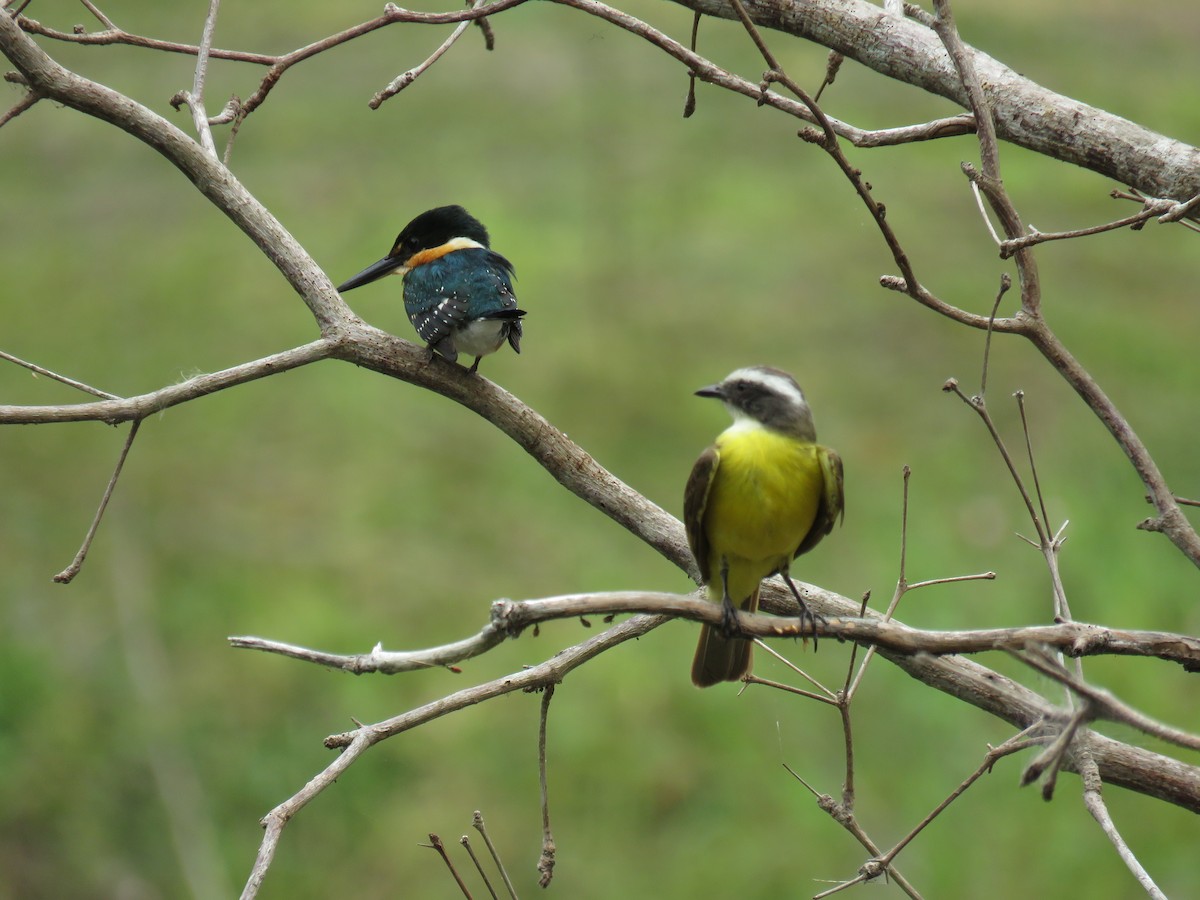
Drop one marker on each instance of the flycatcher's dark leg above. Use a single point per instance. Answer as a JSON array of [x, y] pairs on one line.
[[729, 615], [805, 612]]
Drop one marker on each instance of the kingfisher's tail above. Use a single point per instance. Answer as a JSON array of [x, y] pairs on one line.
[[719, 658]]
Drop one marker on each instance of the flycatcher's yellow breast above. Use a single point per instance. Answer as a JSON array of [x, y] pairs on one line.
[[764, 497]]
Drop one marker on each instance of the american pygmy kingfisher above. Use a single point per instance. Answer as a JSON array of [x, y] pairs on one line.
[[457, 290]]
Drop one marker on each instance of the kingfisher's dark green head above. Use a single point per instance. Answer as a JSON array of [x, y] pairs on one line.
[[430, 235], [436, 228]]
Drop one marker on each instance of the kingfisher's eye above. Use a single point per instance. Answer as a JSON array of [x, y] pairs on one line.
[[740, 387]]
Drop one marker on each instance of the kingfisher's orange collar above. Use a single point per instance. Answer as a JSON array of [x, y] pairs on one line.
[[421, 257]]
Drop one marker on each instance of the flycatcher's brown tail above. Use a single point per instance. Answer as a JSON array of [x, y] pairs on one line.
[[719, 658]]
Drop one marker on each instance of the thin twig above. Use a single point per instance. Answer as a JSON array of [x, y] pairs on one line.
[[752, 30], [952, 579], [849, 684], [117, 36], [826, 694], [833, 64], [199, 114], [983, 213], [69, 573], [979, 405], [94, 10], [876, 866], [1051, 759], [435, 843], [1037, 484], [62, 379], [485, 28], [989, 179], [689, 102], [545, 864], [1174, 210], [115, 410], [1093, 799], [1011, 246], [354, 744], [1103, 704], [20, 106], [847, 820], [1005, 284], [781, 686], [479, 825], [848, 794], [487, 882], [901, 579], [404, 79]]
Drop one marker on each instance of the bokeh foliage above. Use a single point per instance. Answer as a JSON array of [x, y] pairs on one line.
[[334, 508]]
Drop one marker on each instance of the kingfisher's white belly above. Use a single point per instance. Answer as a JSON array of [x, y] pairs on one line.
[[482, 336]]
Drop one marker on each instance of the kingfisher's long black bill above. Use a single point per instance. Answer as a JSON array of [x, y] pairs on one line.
[[713, 390], [373, 272]]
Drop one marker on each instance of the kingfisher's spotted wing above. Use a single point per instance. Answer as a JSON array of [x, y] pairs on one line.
[[437, 311]]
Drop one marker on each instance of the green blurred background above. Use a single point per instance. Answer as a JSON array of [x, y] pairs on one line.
[[335, 508]]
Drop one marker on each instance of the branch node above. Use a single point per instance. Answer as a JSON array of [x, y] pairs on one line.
[[872, 869]]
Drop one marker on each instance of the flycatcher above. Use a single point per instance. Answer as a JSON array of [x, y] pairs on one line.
[[764, 493]]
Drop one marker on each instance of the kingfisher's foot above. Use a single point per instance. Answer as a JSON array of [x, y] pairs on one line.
[[474, 366]]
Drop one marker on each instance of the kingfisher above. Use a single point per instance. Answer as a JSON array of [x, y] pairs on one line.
[[457, 290], [764, 493]]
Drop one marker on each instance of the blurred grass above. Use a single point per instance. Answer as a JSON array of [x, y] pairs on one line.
[[333, 508]]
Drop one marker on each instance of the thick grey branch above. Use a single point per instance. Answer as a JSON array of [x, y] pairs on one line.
[[566, 461], [1026, 114]]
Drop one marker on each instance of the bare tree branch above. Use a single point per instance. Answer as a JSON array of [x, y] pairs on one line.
[[510, 618], [353, 744], [1129, 766], [404, 79], [125, 409], [211, 178], [908, 51], [914, 50], [67, 575], [195, 100], [1093, 799]]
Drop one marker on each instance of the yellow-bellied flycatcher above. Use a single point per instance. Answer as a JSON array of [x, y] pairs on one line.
[[764, 493]]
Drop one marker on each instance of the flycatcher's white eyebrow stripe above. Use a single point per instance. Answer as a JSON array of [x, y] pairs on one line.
[[776, 384]]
